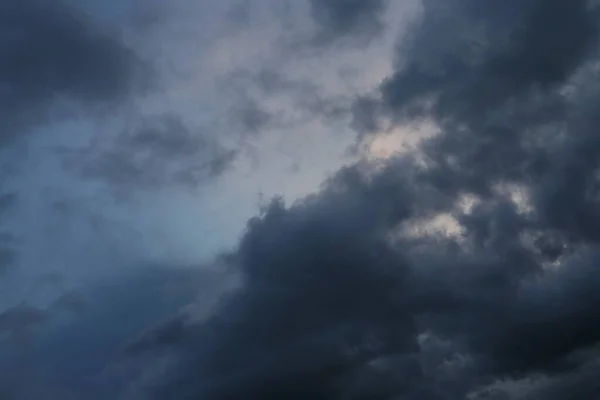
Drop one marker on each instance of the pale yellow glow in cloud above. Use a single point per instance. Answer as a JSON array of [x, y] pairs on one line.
[[403, 140], [400, 140], [518, 194], [441, 224]]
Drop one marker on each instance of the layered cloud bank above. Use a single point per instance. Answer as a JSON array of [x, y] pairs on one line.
[[453, 255]]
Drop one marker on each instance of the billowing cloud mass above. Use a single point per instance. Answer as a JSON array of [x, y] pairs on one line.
[[342, 300], [462, 265]]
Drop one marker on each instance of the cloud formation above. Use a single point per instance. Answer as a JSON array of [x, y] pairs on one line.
[[352, 292], [358, 19], [155, 152], [53, 52], [340, 300], [8, 250]]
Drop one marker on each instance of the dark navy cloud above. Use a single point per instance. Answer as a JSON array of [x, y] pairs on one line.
[[80, 355]]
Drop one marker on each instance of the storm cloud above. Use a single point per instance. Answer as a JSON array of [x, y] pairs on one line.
[[465, 268], [51, 53], [341, 299]]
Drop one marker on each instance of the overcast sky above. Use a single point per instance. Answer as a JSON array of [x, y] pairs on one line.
[[307, 199]]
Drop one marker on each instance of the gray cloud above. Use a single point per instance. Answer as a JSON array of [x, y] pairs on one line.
[[154, 152], [505, 115], [8, 243], [338, 19], [23, 320], [331, 309], [252, 118], [308, 102], [80, 357], [466, 59], [291, 313], [17, 320], [50, 52], [339, 302], [338, 298]]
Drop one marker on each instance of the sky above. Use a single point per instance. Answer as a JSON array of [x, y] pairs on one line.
[[307, 199]]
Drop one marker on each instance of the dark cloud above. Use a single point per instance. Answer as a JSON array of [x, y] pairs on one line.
[[8, 242], [500, 92], [364, 111], [80, 358], [331, 308], [340, 296], [7, 200], [23, 320], [51, 52], [339, 300], [20, 319], [252, 118], [8, 255], [164, 335], [354, 19], [148, 15], [466, 59], [158, 151], [72, 301], [308, 101], [288, 310]]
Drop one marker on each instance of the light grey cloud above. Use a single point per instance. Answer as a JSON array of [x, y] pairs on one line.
[[156, 152]]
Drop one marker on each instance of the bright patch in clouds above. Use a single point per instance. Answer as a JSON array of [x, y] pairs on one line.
[[403, 139]]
